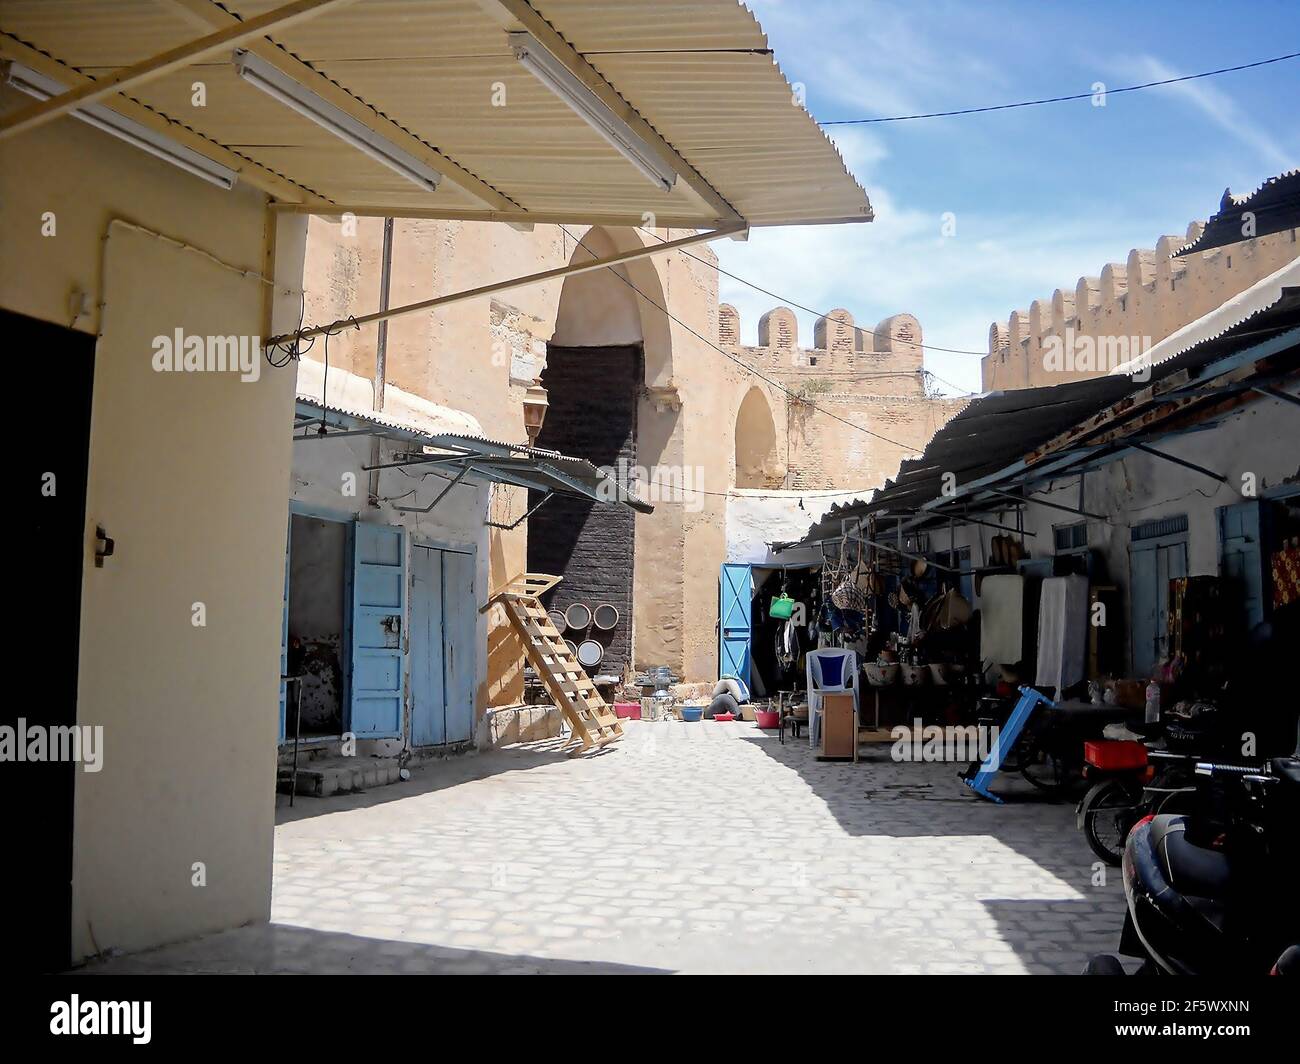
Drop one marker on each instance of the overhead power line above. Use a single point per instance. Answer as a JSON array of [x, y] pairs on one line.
[[794, 303], [1061, 99], [746, 366]]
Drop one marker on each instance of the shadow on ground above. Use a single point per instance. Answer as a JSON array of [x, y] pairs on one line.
[[430, 775], [280, 949]]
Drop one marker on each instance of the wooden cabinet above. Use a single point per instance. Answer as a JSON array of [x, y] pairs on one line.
[[839, 726]]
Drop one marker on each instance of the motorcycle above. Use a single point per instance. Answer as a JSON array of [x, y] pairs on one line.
[[1214, 893], [1133, 777], [1118, 770]]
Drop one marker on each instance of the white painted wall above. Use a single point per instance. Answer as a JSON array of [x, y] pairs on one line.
[[758, 517]]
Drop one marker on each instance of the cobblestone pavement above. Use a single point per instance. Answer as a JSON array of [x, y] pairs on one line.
[[700, 847]]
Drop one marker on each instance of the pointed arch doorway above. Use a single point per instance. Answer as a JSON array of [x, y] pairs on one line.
[[596, 370]]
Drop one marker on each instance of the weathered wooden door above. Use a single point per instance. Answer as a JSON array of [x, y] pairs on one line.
[[734, 621], [378, 607]]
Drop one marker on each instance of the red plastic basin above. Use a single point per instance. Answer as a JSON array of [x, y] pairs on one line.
[[628, 710], [767, 718]]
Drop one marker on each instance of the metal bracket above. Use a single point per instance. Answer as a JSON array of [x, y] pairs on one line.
[[519, 521]]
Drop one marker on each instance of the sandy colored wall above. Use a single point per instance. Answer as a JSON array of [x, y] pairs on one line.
[[188, 473], [1148, 296], [480, 355]]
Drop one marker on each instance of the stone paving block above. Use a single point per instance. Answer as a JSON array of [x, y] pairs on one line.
[[683, 848]]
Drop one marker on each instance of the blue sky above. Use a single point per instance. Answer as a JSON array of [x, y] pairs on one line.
[[1040, 195]]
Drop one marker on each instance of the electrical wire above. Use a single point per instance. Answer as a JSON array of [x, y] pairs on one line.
[[1061, 99], [907, 448], [793, 303]]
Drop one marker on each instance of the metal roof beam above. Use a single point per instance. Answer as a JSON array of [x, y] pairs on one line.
[[509, 217], [568, 270], [464, 472], [1052, 505], [250, 172], [351, 105], [521, 14], [1146, 449], [157, 66]]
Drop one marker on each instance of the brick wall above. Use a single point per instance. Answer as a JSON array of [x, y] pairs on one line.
[[593, 393]]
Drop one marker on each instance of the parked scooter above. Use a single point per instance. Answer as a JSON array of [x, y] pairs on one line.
[[1214, 894]]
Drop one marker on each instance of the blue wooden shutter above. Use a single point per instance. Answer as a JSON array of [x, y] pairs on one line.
[[378, 620], [1241, 559], [734, 621]]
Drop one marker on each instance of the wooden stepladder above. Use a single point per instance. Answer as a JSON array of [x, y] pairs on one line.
[[592, 723]]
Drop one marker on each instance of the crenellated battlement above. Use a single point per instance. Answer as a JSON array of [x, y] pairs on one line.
[[838, 341], [1145, 298]]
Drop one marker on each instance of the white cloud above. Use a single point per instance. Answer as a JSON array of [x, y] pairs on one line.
[[955, 286], [1214, 104]]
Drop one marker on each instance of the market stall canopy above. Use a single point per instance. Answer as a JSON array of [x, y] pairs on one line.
[[1004, 443], [501, 110]]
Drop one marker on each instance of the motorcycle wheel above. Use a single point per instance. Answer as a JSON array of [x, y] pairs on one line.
[[1108, 812], [1046, 770]]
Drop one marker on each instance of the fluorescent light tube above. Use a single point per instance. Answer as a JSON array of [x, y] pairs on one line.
[[590, 108], [274, 82], [134, 133]]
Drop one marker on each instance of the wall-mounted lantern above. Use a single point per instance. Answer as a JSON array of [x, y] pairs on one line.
[[535, 404]]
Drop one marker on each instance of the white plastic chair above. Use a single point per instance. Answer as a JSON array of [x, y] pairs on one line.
[[820, 663]]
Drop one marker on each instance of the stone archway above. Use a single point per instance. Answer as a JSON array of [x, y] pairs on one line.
[[758, 463], [610, 346]]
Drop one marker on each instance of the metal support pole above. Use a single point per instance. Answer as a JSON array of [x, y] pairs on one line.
[[1052, 505], [520, 520], [381, 344], [1146, 449], [426, 509], [569, 270]]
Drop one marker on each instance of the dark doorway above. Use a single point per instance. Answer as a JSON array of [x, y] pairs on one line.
[[593, 393], [42, 874], [319, 608]]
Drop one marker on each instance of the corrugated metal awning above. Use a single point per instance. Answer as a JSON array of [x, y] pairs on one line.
[[438, 78], [457, 457], [1274, 207]]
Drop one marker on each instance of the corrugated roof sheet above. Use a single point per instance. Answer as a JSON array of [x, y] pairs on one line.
[[698, 71], [1274, 206], [494, 460]]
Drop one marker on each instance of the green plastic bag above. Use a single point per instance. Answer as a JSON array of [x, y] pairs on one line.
[[782, 607]]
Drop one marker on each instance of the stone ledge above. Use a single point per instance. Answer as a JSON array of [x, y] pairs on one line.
[[520, 724]]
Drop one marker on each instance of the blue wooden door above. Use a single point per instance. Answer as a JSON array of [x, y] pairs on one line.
[[444, 632], [1153, 564], [428, 701], [460, 645], [1241, 561], [378, 607], [734, 621]]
